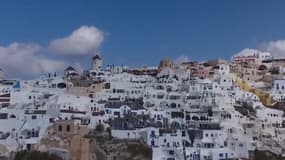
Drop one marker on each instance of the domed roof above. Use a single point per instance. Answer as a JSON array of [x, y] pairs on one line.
[[165, 61]]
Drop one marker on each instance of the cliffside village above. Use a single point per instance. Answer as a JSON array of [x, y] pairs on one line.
[[212, 110]]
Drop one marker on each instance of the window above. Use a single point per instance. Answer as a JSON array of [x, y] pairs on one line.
[[221, 155], [68, 128], [59, 128], [34, 117], [4, 116], [152, 133], [107, 86], [61, 85], [171, 152], [183, 133]]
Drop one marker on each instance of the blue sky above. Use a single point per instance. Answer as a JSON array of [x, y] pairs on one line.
[[143, 32]]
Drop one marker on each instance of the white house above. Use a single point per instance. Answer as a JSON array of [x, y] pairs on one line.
[[251, 56], [278, 89]]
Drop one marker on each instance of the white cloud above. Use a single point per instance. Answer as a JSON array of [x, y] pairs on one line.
[[277, 48], [83, 41], [28, 59], [247, 52], [182, 58], [24, 59]]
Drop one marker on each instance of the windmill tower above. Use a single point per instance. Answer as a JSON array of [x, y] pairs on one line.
[[96, 63], [1, 74]]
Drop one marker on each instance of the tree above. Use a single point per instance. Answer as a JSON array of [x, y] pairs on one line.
[[35, 155], [100, 128], [109, 132]]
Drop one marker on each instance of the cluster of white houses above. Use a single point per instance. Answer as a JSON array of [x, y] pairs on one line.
[[213, 110]]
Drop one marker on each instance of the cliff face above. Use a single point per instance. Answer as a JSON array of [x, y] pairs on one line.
[[264, 155], [80, 148], [108, 147]]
